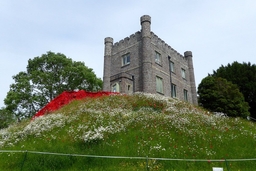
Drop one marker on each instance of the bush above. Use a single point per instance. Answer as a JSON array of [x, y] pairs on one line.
[[218, 95]]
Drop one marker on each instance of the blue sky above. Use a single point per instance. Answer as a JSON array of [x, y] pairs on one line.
[[217, 32]]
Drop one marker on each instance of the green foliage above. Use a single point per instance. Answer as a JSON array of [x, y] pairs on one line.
[[147, 103], [5, 118], [46, 77], [244, 76], [115, 128], [218, 95]]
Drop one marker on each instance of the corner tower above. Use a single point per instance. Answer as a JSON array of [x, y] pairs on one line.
[[188, 55], [107, 63], [146, 58]]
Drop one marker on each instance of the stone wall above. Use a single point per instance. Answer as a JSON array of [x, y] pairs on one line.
[[143, 68], [129, 45]]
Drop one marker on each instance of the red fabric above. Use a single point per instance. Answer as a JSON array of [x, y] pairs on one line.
[[66, 97]]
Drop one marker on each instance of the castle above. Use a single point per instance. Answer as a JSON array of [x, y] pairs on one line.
[[145, 63]]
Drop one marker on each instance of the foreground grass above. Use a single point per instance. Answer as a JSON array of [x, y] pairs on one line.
[[142, 125]]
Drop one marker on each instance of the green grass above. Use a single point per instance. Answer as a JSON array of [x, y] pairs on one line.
[[142, 125]]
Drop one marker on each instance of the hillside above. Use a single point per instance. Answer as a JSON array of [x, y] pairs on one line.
[[150, 130]]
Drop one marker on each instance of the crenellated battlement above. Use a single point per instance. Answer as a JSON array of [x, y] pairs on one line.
[[129, 40], [159, 42]]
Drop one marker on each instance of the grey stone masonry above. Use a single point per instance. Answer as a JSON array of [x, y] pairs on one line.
[[107, 63], [144, 62]]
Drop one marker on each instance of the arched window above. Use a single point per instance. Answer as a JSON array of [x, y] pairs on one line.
[[115, 87]]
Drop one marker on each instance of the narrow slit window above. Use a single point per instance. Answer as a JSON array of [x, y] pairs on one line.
[[173, 90], [172, 66], [185, 95]]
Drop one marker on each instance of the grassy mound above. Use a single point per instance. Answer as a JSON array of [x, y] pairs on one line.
[[153, 129]]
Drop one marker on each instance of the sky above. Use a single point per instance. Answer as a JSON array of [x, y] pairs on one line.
[[217, 32]]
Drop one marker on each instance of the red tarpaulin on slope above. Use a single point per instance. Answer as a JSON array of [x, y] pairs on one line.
[[66, 97]]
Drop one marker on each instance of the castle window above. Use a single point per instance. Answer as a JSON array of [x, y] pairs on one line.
[[115, 87], [158, 58], [126, 59], [173, 90], [159, 85], [183, 73], [171, 66], [129, 89], [185, 92]]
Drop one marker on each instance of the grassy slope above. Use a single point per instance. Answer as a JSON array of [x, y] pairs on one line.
[[135, 126]]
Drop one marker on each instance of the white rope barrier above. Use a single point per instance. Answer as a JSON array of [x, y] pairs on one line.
[[124, 157]]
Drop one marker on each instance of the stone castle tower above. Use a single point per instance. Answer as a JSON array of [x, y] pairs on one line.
[[145, 63]]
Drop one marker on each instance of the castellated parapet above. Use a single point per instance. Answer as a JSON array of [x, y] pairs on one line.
[[144, 62], [127, 42]]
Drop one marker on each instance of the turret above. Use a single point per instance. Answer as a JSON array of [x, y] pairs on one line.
[[107, 63], [188, 55], [146, 71]]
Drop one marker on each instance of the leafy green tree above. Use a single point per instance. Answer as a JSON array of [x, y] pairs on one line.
[[244, 76], [46, 77], [218, 95], [5, 118]]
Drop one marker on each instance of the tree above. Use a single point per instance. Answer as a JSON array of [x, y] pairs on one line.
[[5, 118], [218, 95], [244, 76], [46, 77]]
